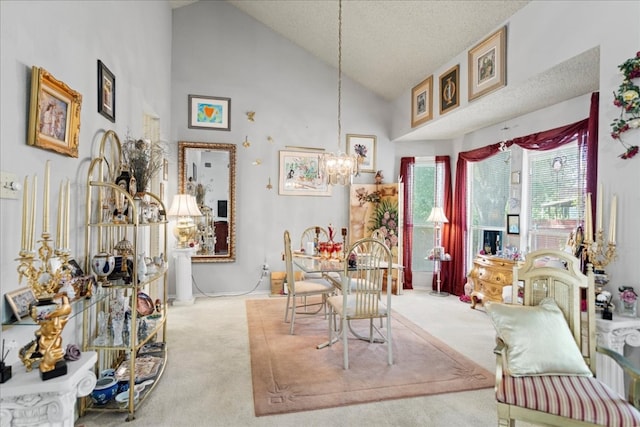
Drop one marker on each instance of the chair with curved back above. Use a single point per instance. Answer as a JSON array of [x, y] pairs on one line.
[[302, 288], [546, 350], [309, 235], [361, 296]]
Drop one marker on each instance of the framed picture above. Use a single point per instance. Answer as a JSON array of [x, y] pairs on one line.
[[449, 94], [488, 65], [209, 112], [300, 174], [515, 177], [364, 147], [106, 92], [513, 224], [165, 170], [54, 114], [421, 102], [20, 302]]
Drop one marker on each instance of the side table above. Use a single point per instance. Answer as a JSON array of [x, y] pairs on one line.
[[26, 400], [614, 334], [184, 294]]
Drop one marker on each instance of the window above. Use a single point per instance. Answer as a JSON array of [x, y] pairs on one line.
[[556, 192], [488, 195], [428, 184]]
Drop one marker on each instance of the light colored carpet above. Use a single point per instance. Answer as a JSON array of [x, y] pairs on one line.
[[207, 380], [290, 374]]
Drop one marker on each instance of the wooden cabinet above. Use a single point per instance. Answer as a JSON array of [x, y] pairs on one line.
[[488, 276]]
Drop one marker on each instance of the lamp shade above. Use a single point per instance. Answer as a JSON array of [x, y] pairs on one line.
[[437, 215], [183, 205]]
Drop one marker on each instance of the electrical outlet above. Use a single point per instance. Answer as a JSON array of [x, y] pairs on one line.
[[9, 186]]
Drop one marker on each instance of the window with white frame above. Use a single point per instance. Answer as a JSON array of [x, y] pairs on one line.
[[428, 185], [488, 189], [556, 190]]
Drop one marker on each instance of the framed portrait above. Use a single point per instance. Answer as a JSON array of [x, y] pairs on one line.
[[422, 102], [488, 64], [54, 114], [209, 112], [513, 224], [20, 302], [106, 92], [449, 93], [364, 148], [300, 174]]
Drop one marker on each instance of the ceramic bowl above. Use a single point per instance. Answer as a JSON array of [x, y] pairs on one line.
[[105, 389], [123, 398]]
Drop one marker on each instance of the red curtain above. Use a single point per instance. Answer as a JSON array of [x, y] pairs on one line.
[[406, 176], [587, 133]]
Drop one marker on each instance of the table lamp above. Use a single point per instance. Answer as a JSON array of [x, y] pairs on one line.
[[184, 208], [437, 217]]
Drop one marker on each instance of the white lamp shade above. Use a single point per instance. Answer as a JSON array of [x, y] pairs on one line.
[[184, 205], [437, 215]]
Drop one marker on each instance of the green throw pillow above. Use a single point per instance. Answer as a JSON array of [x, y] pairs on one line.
[[538, 340]]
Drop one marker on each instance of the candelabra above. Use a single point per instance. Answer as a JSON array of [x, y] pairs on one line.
[[599, 253], [45, 278]]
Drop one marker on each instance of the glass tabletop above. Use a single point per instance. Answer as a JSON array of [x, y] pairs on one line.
[[317, 265]]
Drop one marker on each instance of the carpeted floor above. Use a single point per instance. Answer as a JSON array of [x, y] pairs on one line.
[[289, 374]]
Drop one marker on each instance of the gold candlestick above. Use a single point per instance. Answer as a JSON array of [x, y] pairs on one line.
[[599, 253], [59, 222], [45, 201]]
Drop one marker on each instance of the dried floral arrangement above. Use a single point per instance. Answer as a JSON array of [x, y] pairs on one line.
[[627, 98], [144, 159]]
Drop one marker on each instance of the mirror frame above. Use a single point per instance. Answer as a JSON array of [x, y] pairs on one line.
[[183, 146]]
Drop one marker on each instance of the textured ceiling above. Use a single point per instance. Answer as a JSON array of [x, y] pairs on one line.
[[389, 46]]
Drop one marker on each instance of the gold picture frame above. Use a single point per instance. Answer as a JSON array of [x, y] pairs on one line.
[[364, 147], [20, 301], [449, 89], [54, 114], [300, 174], [422, 102], [487, 63]]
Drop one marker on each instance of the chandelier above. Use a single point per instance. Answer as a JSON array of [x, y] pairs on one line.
[[339, 168]]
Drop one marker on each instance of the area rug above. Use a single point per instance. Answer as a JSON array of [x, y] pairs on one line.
[[290, 374]]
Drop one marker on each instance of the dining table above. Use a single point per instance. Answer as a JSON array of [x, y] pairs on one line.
[[332, 270]]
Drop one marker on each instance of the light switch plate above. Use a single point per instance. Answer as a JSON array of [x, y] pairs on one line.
[[6, 190]]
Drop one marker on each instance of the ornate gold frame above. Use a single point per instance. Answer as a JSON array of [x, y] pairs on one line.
[[230, 256], [61, 133]]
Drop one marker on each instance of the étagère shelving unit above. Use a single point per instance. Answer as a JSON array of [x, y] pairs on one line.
[[127, 327]]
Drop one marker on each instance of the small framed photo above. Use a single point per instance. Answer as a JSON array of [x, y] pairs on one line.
[[364, 147], [74, 268], [20, 302], [54, 114], [515, 177], [106, 92], [513, 224], [300, 174], [449, 93], [422, 102], [488, 65], [209, 112]]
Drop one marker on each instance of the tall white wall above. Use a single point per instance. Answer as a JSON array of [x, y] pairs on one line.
[[67, 38], [220, 51]]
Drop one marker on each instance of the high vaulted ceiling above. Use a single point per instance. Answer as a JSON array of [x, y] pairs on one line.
[[389, 46]]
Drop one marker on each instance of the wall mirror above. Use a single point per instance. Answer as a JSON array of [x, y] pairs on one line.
[[208, 172]]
